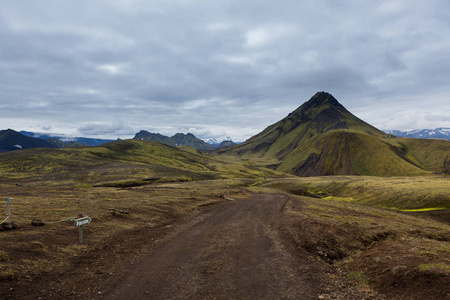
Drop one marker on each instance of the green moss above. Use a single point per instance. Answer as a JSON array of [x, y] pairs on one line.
[[4, 256], [8, 274], [437, 266], [415, 194], [359, 277], [37, 245], [423, 209]]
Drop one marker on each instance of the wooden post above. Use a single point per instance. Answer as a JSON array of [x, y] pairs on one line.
[[81, 235], [8, 210]]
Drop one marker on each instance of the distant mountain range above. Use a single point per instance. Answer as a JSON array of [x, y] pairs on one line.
[[214, 141], [438, 133], [322, 137], [65, 141], [180, 139], [12, 140]]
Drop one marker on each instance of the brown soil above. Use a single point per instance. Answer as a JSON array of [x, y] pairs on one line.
[[234, 250]]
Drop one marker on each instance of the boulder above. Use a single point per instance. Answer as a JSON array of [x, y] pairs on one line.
[[37, 223], [6, 226], [15, 225]]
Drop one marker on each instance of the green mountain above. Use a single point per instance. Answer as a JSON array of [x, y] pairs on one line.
[[227, 143], [179, 139], [322, 137]]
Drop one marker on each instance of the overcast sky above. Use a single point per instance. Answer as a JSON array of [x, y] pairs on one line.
[[218, 69]]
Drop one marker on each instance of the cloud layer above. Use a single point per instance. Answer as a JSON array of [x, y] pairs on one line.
[[110, 68]]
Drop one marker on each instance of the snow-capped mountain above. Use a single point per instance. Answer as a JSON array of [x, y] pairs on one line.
[[438, 133], [214, 141]]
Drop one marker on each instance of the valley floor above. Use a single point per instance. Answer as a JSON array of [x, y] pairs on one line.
[[187, 241]]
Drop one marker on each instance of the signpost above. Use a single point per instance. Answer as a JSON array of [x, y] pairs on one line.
[[80, 223]]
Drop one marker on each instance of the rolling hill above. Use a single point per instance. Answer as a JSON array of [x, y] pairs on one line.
[[126, 162], [322, 137]]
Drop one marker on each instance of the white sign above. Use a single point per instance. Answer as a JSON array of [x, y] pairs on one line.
[[82, 221]]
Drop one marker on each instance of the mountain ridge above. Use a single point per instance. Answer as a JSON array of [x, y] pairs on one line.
[[437, 133], [66, 141], [178, 139], [11, 140]]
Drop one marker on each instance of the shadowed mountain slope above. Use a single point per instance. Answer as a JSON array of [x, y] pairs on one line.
[[63, 141], [349, 152], [322, 137], [12, 140]]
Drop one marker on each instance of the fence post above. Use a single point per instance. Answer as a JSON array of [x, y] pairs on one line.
[[8, 210]]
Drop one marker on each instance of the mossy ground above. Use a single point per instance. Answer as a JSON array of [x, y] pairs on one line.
[[403, 193]]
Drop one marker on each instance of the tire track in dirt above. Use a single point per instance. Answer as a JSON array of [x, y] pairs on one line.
[[233, 251]]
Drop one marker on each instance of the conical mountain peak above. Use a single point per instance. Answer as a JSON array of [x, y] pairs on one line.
[[319, 102], [320, 114], [321, 98]]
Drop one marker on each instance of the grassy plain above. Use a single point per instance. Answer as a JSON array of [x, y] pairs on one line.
[[402, 193], [134, 191]]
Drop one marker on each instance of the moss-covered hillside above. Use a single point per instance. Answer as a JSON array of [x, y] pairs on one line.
[[322, 137], [119, 161]]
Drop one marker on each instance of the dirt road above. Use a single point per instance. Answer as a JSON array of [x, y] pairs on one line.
[[233, 251]]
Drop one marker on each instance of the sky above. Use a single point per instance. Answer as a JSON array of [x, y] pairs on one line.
[[219, 69]]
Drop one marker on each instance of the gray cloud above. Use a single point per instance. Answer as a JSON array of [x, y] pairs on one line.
[[110, 68]]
